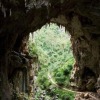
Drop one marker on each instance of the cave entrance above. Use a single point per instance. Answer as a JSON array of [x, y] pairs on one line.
[[52, 45]]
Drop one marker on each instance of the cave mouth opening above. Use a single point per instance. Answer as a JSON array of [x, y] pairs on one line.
[[52, 45]]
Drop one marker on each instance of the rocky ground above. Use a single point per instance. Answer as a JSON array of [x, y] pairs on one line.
[[82, 95], [87, 96]]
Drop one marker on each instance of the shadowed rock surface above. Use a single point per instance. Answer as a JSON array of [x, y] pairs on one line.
[[80, 17]]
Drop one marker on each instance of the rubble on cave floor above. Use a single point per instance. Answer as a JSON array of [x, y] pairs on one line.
[[87, 96]]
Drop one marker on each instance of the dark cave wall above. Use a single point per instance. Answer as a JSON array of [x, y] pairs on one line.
[[86, 50], [18, 18], [5, 91]]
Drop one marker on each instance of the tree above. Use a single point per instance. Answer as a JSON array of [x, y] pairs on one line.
[[55, 55]]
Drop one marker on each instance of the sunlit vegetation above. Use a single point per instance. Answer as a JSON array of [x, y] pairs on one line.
[[53, 47]]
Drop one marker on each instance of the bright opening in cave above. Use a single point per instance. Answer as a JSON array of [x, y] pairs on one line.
[[52, 45]]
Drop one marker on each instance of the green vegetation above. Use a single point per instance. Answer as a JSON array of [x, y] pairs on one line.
[[53, 47]]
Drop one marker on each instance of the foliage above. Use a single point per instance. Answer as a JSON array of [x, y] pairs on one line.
[[53, 47], [64, 95], [32, 48], [43, 81], [20, 96]]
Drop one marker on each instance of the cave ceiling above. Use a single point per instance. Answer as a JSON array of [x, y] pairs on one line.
[[80, 17], [21, 17]]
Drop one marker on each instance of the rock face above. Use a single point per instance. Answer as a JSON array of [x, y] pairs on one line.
[[86, 50], [80, 17]]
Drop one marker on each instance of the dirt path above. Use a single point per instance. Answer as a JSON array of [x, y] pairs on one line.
[[79, 95], [54, 83]]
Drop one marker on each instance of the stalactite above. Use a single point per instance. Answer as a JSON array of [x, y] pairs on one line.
[[46, 25], [0, 4], [25, 2], [62, 1], [58, 25], [65, 29], [32, 35], [3, 10], [10, 12], [49, 24], [61, 26], [48, 11]]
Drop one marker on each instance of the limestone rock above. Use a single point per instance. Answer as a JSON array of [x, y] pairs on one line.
[[80, 17], [86, 95]]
